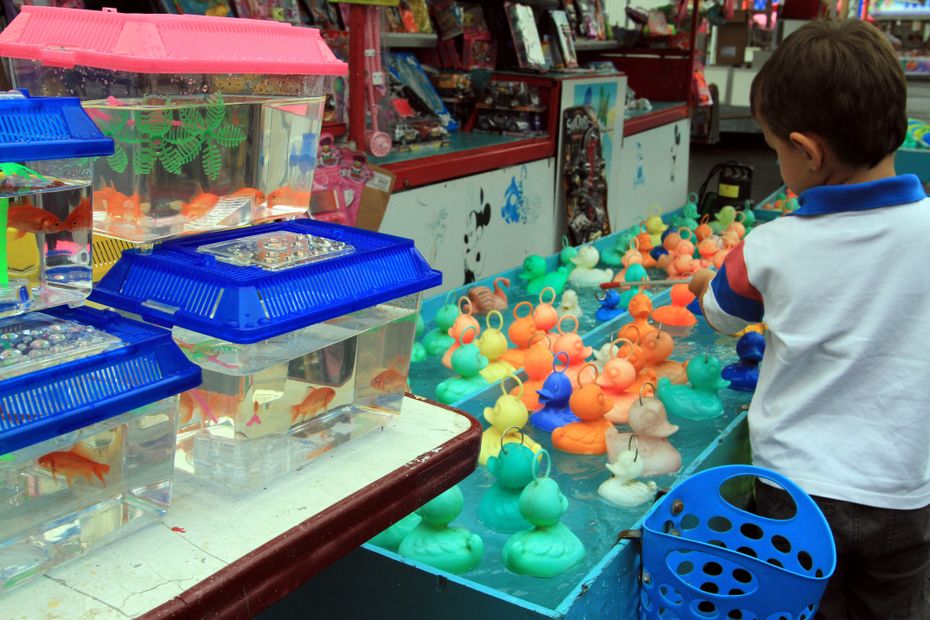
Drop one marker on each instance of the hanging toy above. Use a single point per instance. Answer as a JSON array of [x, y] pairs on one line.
[[549, 548], [468, 362], [744, 374], [569, 305], [521, 333], [433, 542], [492, 345], [545, 316], [418, 353], [437, 340], [589, 404], [698, 401], [484, 300], [391, 538], [508, 413], [573, 346], [675, 317], [537, 278], [554, 397], [567, 254], [512, 469], [459, 328], [610, 306], [538, 365], [585, 273], [651, 429], [623, 489]]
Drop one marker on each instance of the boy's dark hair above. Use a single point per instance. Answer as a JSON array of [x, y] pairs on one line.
[[840, 80]]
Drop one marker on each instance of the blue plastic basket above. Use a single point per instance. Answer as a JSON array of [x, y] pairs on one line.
[[705, 558], [63, 398], [178, 284]]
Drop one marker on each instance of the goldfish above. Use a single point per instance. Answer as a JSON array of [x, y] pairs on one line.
[[251, 192], [32, 220], [118, 206], [287, 197], [316, 400], [200, 205], [72, 465], [389, 380], [81, 218]]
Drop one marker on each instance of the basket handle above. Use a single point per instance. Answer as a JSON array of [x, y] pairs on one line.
[[717, 476]]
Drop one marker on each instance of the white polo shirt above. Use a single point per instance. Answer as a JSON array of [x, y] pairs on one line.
[[842, 405]]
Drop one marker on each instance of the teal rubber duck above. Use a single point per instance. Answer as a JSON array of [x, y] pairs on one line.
[[500, 506], [391, 538], [548, 548], [567, 254], [612, 256], [437, 340], [468, 362], [537, 278], [698, 401], [433, 542], [634, 273], [418, 353], [749, 216], [689, 214]]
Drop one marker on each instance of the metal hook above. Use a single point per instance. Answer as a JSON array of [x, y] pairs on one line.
[[630, 443], [507, 432], [643, 387]]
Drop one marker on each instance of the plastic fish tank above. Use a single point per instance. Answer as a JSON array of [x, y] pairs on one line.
[[303, 330], [215, 121], [88, 415], [47, 152]]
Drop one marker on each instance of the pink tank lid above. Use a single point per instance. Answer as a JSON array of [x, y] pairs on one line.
[[176, 44]]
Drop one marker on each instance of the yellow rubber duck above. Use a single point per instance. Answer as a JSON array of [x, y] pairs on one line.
[[492, 345], [507, 419]]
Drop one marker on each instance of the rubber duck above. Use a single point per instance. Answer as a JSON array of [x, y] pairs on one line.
[[433, 542], [683, 266], [586, 273], [612, 255], [657, 346], [567, 254], [418, 352], [721, 254], [492, 345], [617, 376], [703, 231], [699, 401], [391, 538], [759, 328], [569, 305], [738, 225], [589, 404], [468, 362], [571, 344], [623, 489], [634, 273], [723, 218], [512, 469], [545, 316], [554, 397], [651, 430], [708, 249], [549, 548], [537, 278], [538, 365], [644, 245], [437, 340], [675, 317], [521, 333], [749, 216], [640, 309], [744, 374], [484, 300], [632, 256], [460, 331], [689, 214], [655, 226], [609, 351], [507, 418], [610, 306]]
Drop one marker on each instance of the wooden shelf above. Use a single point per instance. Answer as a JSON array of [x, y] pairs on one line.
[[409, 39], [904, 16], [586, 45]]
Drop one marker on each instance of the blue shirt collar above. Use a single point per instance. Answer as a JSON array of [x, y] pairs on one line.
[[899, 190]]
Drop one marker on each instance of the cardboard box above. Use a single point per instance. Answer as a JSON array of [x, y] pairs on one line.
[[732, 39]]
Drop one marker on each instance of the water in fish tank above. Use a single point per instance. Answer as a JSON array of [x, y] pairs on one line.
[[84, 489], [189, 164], [251, 421]]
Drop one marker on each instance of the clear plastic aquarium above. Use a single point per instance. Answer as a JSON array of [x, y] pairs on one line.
[[303, 330], [215, 121], [47, 152], [88, 427]]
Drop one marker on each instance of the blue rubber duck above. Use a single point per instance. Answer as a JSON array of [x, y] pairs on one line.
[[468, 362], [549, 548], [391, 538], [744, 374], [699, 401], [610, 306], [537, 278], [500, 506], [433, 542], [437, 340], [553, 396]]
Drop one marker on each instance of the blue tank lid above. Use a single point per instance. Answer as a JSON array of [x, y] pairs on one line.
[[34, 128], [129, 365], [251, 284]]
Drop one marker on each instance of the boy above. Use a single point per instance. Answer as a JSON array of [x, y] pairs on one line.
[[843, 401]]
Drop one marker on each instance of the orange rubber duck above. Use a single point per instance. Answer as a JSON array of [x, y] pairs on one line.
[[618, 375], [703, 231], [644, 245], [521, 333], [640, 309], [538, 365], [545, 316], [458, 330], [571, 344], [657, 347], [590, 404], [676, 317]]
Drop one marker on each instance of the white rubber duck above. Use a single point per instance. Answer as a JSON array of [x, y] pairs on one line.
[[623, 489], [651, 430], [585, 273], [569, 304]]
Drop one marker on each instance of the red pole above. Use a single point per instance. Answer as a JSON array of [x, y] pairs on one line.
[[357, 15]]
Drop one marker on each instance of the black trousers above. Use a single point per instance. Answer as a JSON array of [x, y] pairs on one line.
[[883, 557]]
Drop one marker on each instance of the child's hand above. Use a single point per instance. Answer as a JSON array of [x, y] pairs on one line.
[[700, 281]]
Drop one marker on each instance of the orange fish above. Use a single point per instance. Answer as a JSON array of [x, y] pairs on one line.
[[32, 220], [119, 206], [389, 380], [81, 218], [287, 197], [72, 465], [200, 205], [317, 400], [258, 196]]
